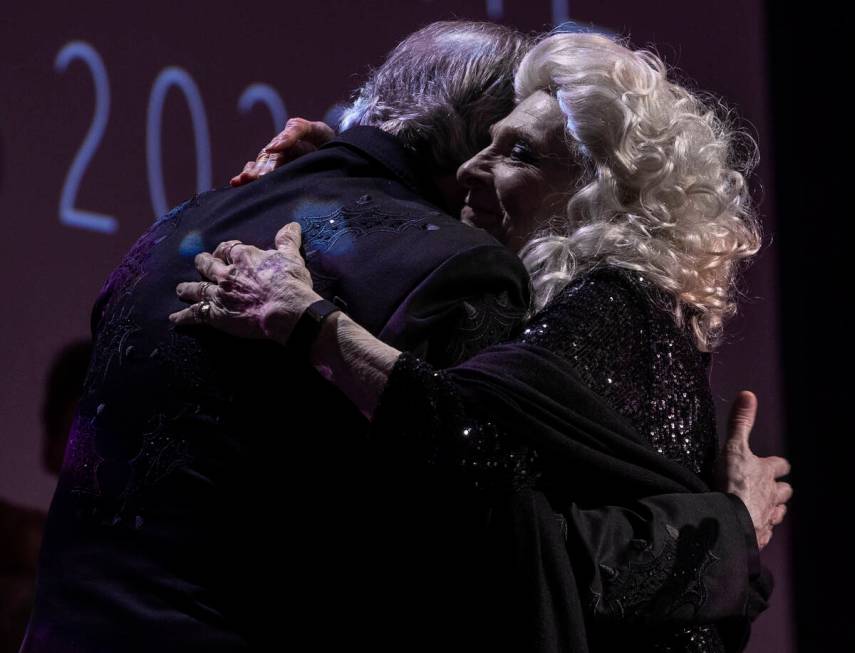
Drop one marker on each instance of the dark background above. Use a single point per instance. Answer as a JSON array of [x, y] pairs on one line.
[[770, 64]]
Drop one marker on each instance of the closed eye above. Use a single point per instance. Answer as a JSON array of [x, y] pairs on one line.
[[522, 151]]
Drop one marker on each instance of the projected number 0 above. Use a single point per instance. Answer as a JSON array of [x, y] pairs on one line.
[[180, 78]]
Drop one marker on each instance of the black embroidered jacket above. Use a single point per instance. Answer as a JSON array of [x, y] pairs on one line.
[[217, 493]]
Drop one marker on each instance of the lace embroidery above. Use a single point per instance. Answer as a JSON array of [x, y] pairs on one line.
[[492, 319], [321, 233], [663, 583], [107, 462]]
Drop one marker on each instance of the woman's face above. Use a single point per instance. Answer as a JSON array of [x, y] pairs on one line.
[[524, 177]]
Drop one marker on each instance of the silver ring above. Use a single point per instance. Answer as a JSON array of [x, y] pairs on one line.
[[203, 313], [202, 289], [227, 255]]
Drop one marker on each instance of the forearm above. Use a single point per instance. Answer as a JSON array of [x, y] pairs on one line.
[[667, 559], [354, 360], [422, 413]]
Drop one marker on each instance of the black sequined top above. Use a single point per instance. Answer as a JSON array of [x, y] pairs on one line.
[[615, 329]]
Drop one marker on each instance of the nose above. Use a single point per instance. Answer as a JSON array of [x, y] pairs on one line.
[[477, 171]]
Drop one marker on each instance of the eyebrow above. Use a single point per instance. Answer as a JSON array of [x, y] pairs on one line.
[[510, 130]]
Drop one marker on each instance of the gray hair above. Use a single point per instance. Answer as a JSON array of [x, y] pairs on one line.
[[441, 88]]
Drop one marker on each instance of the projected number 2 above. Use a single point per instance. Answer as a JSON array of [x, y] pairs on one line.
[[68, 213], [170, 77]]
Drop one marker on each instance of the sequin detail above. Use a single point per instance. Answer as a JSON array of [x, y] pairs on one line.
[[613, 327], [439, 430], [489, 320]]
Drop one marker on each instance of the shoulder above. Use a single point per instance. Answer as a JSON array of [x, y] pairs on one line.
[[631, 308], [606, 309], [606, 292]]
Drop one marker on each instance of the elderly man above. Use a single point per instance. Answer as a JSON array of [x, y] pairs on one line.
[[217, 494]]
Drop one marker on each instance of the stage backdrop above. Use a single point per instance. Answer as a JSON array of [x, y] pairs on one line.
[[112, 113]]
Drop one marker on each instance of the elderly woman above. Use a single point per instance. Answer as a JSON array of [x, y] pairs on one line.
[[617, 188]]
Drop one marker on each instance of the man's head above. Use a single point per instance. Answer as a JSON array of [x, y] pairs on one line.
[[441, 88]]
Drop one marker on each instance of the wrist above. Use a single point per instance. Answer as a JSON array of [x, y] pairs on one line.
[[309, 325], [326, 342], [746, 522], [279, 320]]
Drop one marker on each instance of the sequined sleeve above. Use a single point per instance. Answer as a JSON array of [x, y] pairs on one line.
[[606, 326], [421, 410]]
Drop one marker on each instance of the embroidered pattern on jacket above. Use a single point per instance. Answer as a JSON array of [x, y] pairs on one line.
[[321, 233], [492, 319], [664, 583], [105, 471]]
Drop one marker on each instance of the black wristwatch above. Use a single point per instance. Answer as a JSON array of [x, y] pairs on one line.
[[309, 326]]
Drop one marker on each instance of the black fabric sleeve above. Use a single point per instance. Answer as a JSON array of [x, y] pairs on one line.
[[421, 413], [648, 543], [666, 559], [476, 298], [672, 558]]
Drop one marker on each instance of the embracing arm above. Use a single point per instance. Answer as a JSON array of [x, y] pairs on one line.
[[354, 360], [420, 409], [663, 559], [671, 558], [668, 558], [483, 301]]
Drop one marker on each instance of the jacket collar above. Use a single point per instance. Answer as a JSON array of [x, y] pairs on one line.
[[390, 153]]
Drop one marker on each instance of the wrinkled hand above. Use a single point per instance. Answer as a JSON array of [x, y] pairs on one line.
[[299, 137], [751, 478], [250, 292]]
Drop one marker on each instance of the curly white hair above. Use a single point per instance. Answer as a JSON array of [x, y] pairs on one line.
[[664, 193]]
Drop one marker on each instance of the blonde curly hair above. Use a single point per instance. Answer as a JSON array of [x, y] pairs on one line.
[[664, 193]]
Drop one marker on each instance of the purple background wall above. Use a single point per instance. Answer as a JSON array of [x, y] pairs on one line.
[[311, 54]]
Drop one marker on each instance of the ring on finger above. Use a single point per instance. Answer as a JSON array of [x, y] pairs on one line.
[[227, 253], [203, 289], [202, 311]]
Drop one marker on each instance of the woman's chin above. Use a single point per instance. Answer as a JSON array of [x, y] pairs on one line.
[[489, 222]]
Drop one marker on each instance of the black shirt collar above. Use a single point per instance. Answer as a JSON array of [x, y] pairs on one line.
[[390, 153]]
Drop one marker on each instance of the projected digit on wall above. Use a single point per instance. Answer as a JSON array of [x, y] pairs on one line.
[[68, 213], [266, 95], [181, 79]]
